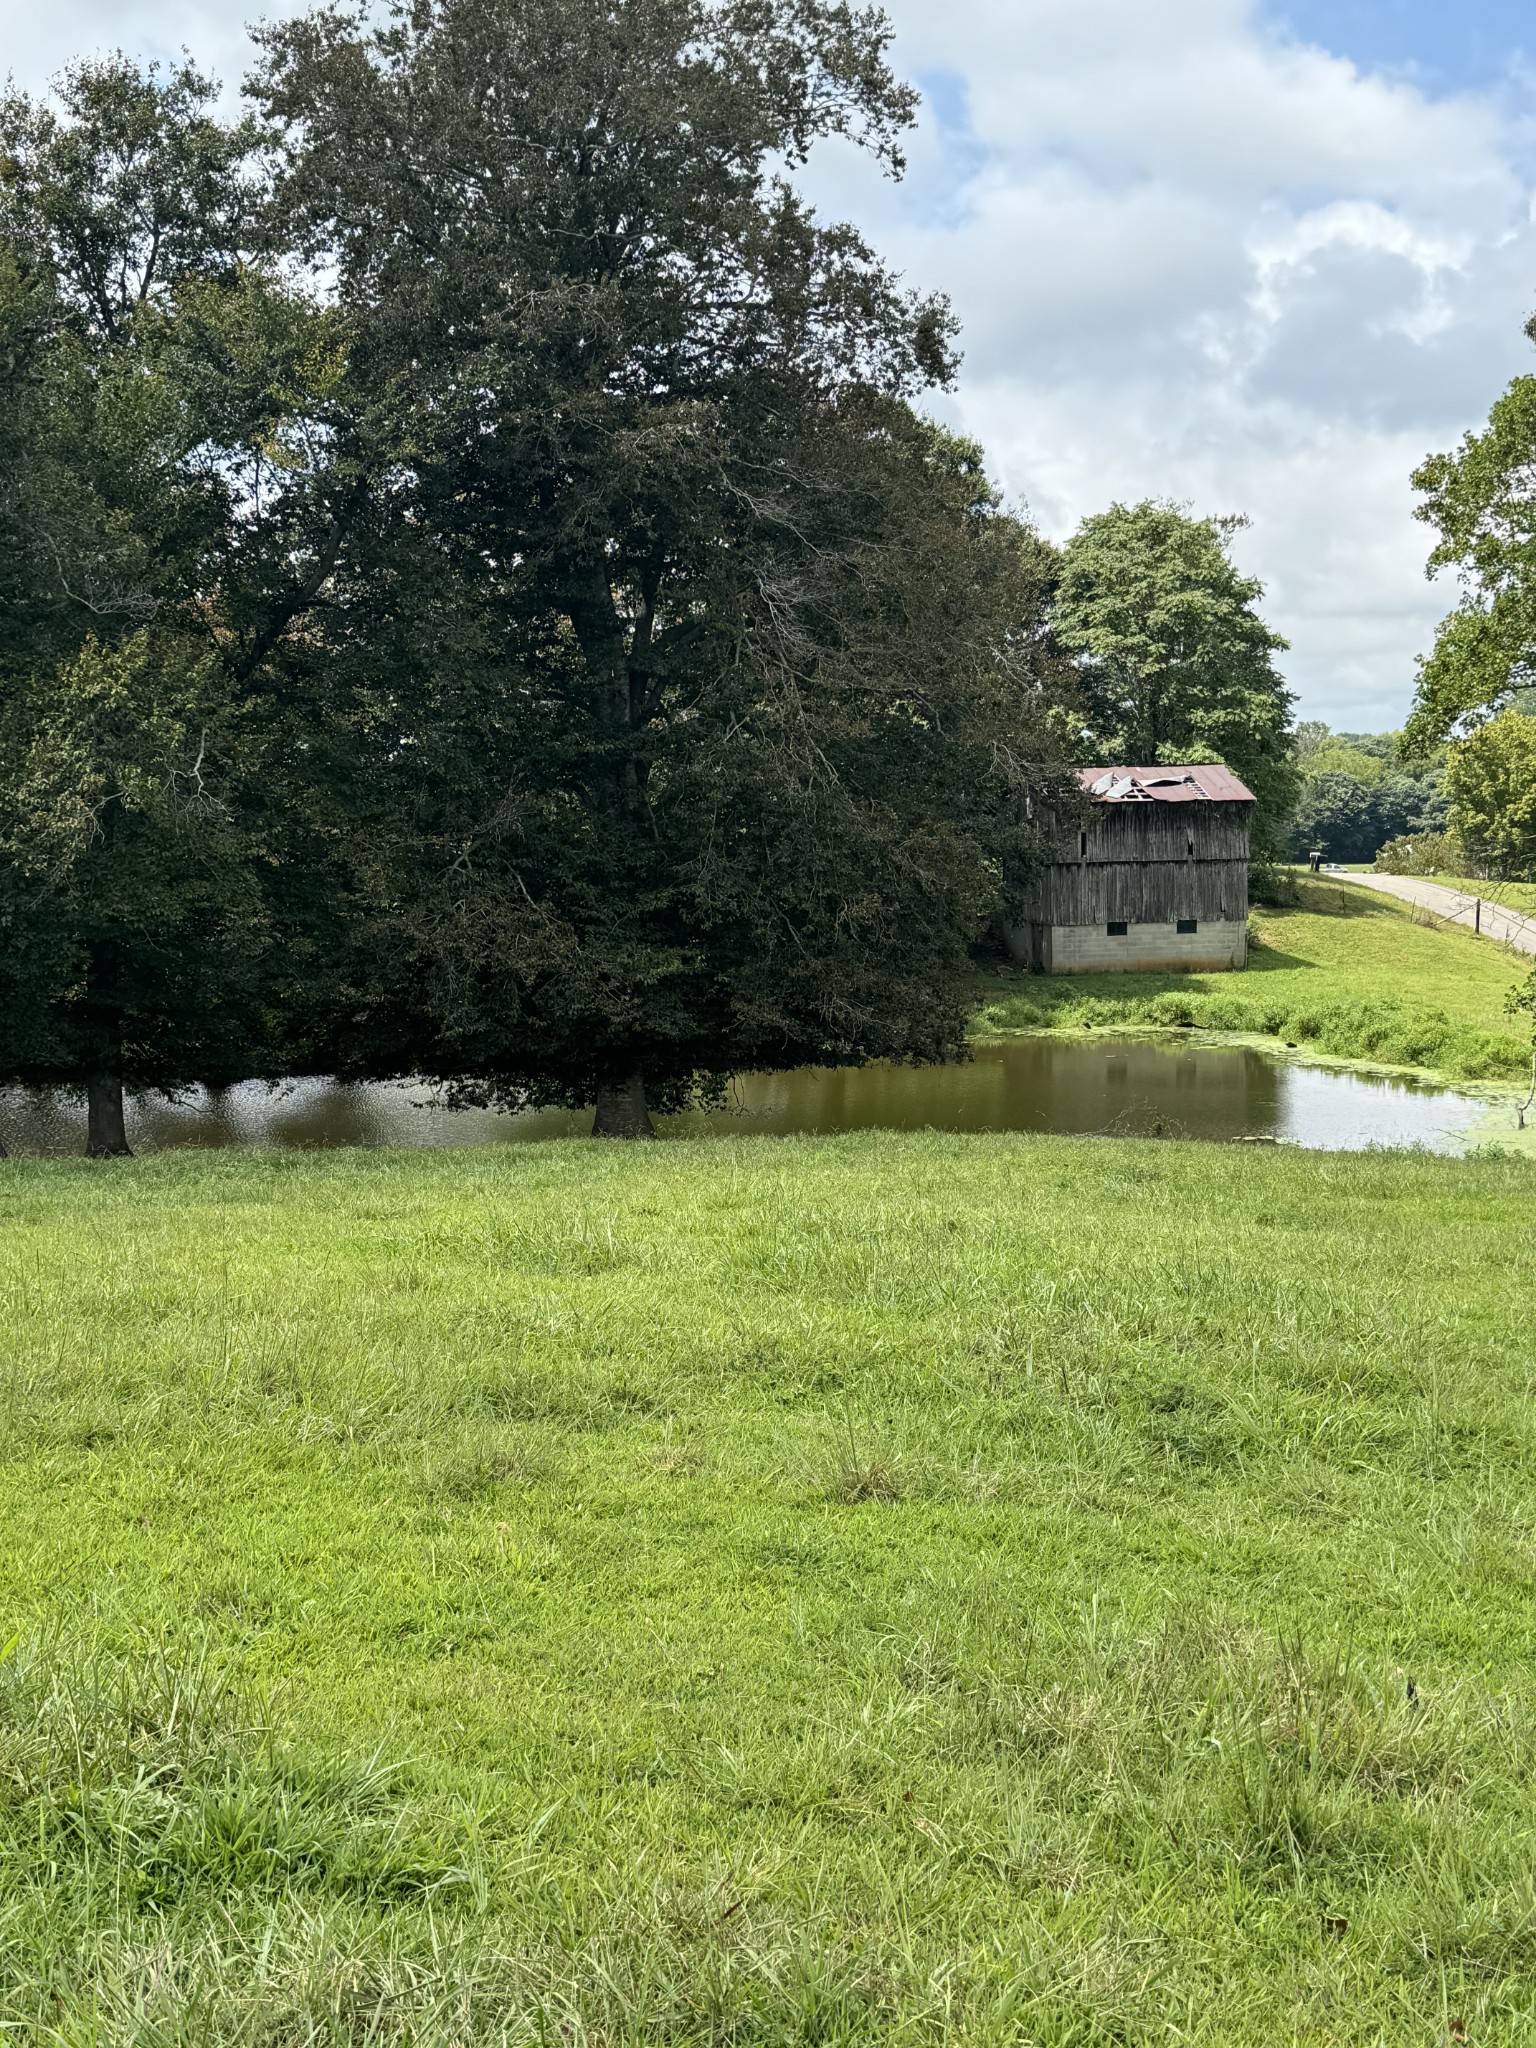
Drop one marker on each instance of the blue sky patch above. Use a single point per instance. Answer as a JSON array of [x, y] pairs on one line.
[[1442, 45]]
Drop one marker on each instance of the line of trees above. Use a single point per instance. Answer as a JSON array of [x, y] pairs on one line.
[[1359, 792], [481, 601], [478, 598]]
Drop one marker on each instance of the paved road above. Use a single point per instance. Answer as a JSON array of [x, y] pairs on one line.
[[1509, 927]]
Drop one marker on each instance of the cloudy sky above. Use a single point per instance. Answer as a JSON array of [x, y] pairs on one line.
[[1254, 255]]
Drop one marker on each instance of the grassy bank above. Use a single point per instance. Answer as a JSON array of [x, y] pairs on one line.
[[885, 1590], [1513, 895], [1343, 972]]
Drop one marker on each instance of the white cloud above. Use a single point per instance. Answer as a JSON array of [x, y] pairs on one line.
[[1191, 260], [39, 41]]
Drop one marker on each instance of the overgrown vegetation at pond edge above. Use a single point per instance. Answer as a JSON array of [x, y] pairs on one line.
[[1343, 972], [887, 1589]]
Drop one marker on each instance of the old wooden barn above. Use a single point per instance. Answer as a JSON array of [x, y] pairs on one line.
[[1156, 877]]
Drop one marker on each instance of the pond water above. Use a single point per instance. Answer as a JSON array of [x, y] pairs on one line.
[[1109, 1087]]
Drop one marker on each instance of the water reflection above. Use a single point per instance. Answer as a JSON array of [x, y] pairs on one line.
[[1114, 1087]]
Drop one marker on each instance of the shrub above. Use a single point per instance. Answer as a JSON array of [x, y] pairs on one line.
[[1429, 853]]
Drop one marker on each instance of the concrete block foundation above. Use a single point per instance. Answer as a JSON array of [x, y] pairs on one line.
[[1214, 947]]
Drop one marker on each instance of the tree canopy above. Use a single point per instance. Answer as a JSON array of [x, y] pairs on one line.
[[701, 687], [1491, 783], [1482, 500], [1358, 791], [546, 649], [129, 912]]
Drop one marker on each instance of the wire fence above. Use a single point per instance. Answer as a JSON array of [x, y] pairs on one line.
[[1462, 907]]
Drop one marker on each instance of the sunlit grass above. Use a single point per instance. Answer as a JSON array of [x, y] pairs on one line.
[[1513, 895], [885, 1589], [1345, 972]]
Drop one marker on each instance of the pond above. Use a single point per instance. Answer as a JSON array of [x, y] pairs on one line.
[[1107, 1087]]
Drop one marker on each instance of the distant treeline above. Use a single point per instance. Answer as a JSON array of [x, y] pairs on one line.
[[1464, 808], [1358, 791]]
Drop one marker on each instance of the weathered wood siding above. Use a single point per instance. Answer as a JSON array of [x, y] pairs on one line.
[[1160, 831], [1148, 863], [1130, 892]]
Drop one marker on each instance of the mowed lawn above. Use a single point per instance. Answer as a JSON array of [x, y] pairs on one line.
[[886, 1589], [1343, 971]]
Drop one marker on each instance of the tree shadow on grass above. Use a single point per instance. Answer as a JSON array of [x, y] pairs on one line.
[[1315, 900], [1265, 957], [1267, 954]]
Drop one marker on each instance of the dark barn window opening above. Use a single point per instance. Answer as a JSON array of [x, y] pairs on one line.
[[1187, 924], [1082, 844], [1118, 931]]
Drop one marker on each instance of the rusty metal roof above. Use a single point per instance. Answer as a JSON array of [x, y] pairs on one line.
[[1202, 782]]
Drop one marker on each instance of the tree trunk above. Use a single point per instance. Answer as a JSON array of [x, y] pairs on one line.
[[618, 702], [106, 1136], [621, 1111]]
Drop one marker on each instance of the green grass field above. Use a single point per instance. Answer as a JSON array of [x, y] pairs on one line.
[[1344, 972], [913, 1590]]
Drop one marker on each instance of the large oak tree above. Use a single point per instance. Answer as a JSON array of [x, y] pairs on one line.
[[684, 700]]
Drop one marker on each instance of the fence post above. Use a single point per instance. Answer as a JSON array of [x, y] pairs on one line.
[[1477, 916]]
